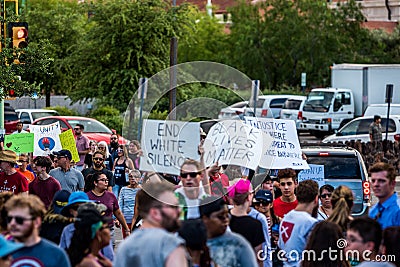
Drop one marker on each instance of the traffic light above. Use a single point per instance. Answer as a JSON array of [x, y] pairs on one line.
[[18, 32]]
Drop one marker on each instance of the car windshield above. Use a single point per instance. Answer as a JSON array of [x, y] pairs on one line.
[[292, 104], [12, 116], [41, 114], [343, 170], [318, 101], [91, 126]]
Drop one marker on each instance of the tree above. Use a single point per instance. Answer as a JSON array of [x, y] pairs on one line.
[[125, 40], [275, 41], [62, 24]]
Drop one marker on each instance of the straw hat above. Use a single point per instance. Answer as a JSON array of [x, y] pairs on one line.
[[8, 156]]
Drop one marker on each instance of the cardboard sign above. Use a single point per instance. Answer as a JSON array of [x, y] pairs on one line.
[[19, 143], [167, 144], [67, 140], [46, 139], [315, 172], [233, 142], [285, 151]]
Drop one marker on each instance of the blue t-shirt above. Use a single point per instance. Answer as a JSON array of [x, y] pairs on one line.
[[43, 253], [71, 180], [232, 250], [390, 212]]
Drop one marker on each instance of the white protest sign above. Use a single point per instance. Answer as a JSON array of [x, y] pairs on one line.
[[233, 142], [167, 144], [285, 151], [316, 173], [46, 138]]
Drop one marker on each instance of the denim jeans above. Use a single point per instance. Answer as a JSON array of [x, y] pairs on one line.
[[116, 189]]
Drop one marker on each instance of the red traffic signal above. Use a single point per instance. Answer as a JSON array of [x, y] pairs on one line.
[[18, 32]]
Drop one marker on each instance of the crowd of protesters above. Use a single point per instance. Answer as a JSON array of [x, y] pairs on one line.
[[64, 213]]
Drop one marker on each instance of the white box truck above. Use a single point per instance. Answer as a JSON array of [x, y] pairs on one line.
[[354, 87]]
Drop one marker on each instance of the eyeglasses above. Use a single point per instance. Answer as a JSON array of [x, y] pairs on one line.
[[262, 203], [98, 159], [77, 129], [113, 138], [326, 195], [18, 219], [101, 147], [131, 176], [287, 183], [103, 180], [191, 174]]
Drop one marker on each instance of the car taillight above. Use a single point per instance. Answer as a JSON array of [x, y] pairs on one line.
[[264, 112], [366, 190], [397, 137], [329, 120], [323, 154], [300, 115]]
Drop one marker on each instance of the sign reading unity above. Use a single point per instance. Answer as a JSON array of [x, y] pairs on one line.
[[67, 140], [285, 151], [19, 143], [315, 172], [233, 142], [46, 139], [167, 144]]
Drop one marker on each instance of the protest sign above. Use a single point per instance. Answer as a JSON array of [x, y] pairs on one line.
[[46, 139], [19, 143], [285, 151], [315, 172], [167, 144], [67, 140], [233, 142]]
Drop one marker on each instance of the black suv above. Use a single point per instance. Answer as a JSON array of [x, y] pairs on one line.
[[343, 166]]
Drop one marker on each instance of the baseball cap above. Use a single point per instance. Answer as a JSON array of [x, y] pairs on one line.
[[64, 153], [8, 247], [263, 195], [75, 197], [60, 200]]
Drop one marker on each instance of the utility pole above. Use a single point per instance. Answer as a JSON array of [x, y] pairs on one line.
[[173, 60]]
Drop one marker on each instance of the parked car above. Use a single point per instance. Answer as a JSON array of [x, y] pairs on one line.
[[27, 116], [381, 109], [94, 129], [292, 109], [358, 129], [343, 166], [10, 119], [268, 106], [233, 111]]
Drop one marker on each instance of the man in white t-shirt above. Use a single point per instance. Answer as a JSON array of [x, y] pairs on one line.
[[192, 192], [298, 223]]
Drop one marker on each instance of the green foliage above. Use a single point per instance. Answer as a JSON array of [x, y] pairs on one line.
[[127, 40], [275, 41], [62, 24], [64, 111], [108, 115]]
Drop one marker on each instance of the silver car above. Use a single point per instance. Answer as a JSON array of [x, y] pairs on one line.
[[293, 109]]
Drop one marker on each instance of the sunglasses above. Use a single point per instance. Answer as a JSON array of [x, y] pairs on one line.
[[98, 159], [113, 138], [326, 195], [191, 174], [287, 183], [18, 219], [261, 203], [77, 129]]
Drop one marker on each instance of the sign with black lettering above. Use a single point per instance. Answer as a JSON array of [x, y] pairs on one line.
[[285, 150], [315, 172], [167, 144], [233, 142]]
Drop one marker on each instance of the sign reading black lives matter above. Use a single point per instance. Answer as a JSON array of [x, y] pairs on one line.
[[167, 144], [233, 142], [285, 150]]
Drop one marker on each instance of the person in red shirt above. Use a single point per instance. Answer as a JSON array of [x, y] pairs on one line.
[[287, 179], [218, 180], [11, 180]]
